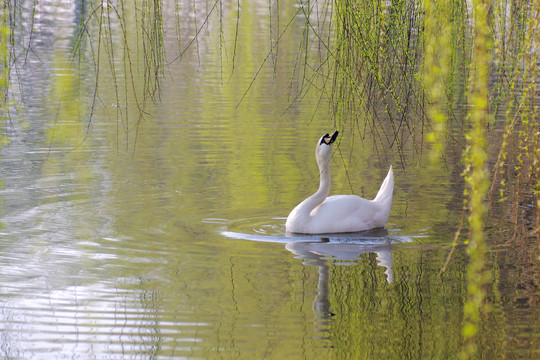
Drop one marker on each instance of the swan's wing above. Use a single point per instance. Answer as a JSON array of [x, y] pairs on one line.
[[347, 213], [344, 205]]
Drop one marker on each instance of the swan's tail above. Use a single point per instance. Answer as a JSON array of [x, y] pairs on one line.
[[384, 196]]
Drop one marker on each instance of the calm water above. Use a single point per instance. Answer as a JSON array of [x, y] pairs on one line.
[[163, 236]]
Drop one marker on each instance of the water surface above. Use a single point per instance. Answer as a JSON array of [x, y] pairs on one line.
[[162, 236]]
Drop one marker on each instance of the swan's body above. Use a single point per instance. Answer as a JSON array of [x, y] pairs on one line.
[[322, 214]]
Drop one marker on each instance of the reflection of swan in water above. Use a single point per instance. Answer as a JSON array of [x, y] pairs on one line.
[[348, 246], [320, 252]]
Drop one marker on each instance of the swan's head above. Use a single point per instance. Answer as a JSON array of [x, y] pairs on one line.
[[324, 148]]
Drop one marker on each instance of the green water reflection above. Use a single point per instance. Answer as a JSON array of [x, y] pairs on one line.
[[114, 247]]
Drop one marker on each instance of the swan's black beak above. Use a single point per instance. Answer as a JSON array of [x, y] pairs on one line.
[[329, 139]]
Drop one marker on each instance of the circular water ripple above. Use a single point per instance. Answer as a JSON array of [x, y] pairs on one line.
[[262, 226]]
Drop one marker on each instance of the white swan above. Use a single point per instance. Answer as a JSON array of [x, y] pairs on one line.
[[320, 214]]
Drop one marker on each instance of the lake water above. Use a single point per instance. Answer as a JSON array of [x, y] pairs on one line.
[[163, 235]]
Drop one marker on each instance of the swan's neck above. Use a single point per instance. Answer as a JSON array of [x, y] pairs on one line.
[[307, 206]]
